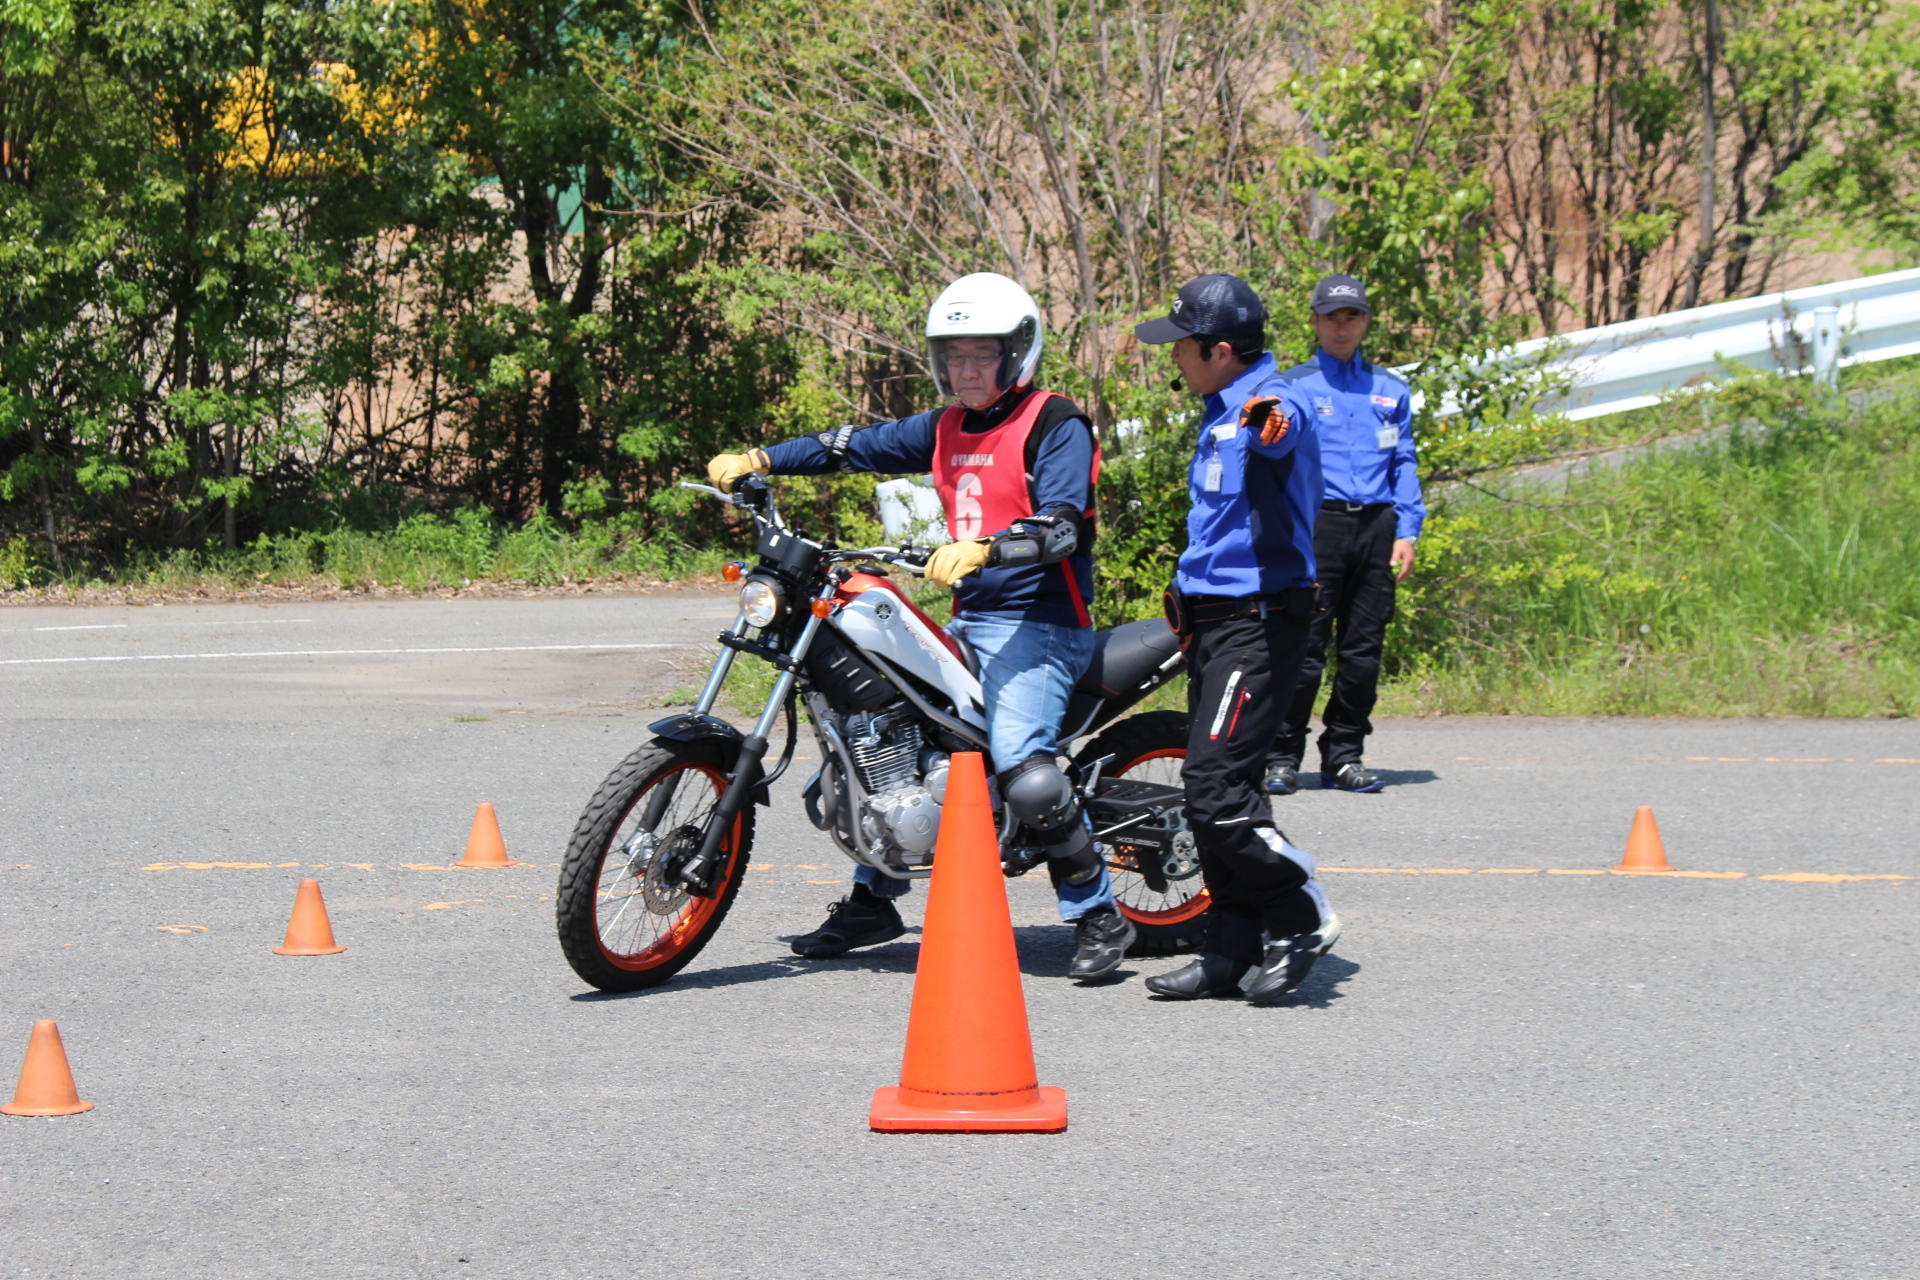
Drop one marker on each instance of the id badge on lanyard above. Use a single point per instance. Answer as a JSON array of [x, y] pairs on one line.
[[1215, 471]]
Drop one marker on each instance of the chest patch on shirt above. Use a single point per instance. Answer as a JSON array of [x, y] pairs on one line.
[[1323, 405], [1385, 402]]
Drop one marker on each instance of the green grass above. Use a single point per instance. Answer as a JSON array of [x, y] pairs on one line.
[[1769, 573], [421, 553]]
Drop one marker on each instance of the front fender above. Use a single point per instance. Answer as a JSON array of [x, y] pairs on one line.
[[693, 727]]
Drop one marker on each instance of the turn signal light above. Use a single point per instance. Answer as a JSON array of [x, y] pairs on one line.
[[822, 608], [733, 570]]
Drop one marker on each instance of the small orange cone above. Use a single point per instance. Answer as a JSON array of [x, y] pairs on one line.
[[485, 848], [969, 1061], [1644, 850], [308, 933], [46, 1082]]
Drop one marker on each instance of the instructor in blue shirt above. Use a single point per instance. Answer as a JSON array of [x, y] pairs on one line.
[[1242, 600], [1370, 517]]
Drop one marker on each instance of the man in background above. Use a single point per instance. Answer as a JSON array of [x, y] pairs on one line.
[[1363, 543]]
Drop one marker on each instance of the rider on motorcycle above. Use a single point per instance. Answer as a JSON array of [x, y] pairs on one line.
[[1015, 468]]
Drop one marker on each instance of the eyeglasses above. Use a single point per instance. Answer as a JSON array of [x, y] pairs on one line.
[[974, 362]]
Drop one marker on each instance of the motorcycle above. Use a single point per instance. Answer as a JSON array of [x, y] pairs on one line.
[[655, 862]]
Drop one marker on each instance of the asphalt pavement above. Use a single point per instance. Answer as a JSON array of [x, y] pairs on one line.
[[1514, 1064]]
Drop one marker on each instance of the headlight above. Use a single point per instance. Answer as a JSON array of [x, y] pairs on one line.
[[760, 601]]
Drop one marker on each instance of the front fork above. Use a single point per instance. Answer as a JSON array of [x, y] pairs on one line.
[[700, 873]]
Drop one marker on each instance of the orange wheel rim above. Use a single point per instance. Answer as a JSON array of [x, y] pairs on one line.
[[1180, 912], [692, 917]]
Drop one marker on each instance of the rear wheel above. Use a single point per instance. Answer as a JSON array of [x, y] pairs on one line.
[[1157, 883], [625, 922]]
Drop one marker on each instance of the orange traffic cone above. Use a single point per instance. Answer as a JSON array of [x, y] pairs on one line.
[[969, 1060], [485, 848], [46, 1082], [1644, 850], [308, 933]]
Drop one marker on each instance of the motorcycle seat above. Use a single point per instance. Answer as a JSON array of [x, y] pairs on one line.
[[1124, 656]]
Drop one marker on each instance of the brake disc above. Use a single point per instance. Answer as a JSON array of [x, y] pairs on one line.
[[660, 888]]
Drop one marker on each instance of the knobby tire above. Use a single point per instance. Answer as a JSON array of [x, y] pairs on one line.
[[620, 930]]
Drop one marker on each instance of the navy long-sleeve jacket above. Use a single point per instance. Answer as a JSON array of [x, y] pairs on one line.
[[1060, 476]]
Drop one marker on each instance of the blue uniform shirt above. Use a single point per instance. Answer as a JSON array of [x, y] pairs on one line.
[[1062, 476], [1250, 528], [1365, 426]]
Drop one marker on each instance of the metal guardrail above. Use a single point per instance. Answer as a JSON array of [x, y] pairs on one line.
[[1816, 330]]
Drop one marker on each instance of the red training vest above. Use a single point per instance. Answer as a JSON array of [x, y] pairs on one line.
[[981, 477]]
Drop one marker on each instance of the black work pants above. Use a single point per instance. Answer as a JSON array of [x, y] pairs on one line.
[[1354, 552], [1240, 673]]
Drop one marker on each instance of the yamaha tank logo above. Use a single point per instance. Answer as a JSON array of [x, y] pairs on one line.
[[883, 611]]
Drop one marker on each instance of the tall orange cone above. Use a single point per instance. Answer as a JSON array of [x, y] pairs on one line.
[[46, 1081], [308, 933], [1644, 850], [485, 848], [969, 1061]]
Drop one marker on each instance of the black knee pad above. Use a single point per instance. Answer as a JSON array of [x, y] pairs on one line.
[[1042, 797]]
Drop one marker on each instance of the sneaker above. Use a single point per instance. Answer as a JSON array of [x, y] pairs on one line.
[[1101, 939], [1289, 960], [1283, 779], [1352, 776], [851, 923]]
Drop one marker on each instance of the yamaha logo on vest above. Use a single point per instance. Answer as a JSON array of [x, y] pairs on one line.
[[972, 460]]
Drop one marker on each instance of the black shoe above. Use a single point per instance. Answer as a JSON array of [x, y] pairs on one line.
[[1101, 939], [1208, 976], [1352, 776], [1289, 960], [851, 922], [1283, 779]]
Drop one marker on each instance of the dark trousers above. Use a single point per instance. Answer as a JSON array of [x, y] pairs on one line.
[[1354, 552], [1240, 673]]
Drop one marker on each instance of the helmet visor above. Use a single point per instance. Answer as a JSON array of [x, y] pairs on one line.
[[992, 356]]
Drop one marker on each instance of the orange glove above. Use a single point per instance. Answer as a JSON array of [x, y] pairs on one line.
[[1264, 414]]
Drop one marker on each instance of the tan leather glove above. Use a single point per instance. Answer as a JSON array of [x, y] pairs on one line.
[[954, 561], [725, 470]]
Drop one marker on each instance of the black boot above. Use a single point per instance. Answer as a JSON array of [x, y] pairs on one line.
[[861, 919], [1232, 948]]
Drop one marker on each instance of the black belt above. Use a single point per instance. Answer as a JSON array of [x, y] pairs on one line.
[[1354, 508], [1297, 603]]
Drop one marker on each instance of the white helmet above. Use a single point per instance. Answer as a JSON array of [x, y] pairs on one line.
[[986, 305]]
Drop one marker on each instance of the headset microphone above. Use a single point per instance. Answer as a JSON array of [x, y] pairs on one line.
[[1175, 385]]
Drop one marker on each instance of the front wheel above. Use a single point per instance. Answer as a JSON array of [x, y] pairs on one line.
[[625, 921], [1156, 878]]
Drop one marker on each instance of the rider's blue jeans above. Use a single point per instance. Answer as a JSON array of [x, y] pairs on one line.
[[1027, 672]]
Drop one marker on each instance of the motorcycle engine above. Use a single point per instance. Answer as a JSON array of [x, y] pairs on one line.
[[904, 781]]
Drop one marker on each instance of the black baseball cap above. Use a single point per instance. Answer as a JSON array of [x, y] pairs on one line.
[[1336, 292], [1218, 306]]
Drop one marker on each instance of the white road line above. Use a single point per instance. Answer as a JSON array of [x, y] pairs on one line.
[[242, 622], [328, 653], [97, 626]]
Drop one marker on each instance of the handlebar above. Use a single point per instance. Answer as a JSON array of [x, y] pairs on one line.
[[753, 492]]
